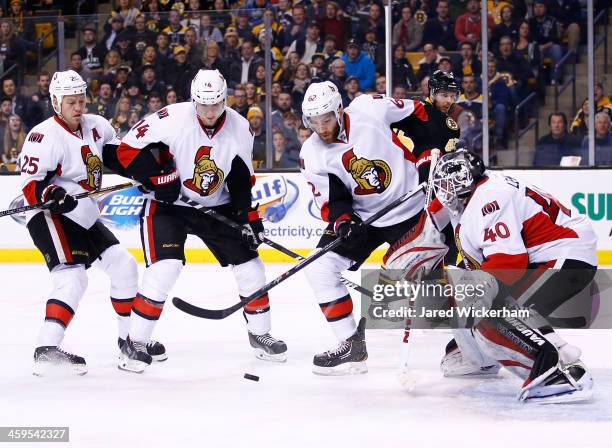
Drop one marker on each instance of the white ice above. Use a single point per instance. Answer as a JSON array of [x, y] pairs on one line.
[[200, 398]]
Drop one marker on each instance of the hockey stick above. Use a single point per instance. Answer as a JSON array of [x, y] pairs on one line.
[[407, 378], [223, 313], [45, 204], [225, 220]]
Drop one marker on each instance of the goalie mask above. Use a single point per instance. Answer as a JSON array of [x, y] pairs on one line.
[[455, 177]]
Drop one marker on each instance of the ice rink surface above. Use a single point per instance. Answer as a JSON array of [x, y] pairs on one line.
[[200, 398]]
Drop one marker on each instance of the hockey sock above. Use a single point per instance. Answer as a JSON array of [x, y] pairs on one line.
[[251, 276]]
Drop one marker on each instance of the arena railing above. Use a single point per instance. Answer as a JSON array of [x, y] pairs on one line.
[[560, 88], [520, 132]]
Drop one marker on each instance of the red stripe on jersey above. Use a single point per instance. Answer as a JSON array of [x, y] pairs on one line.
[[146, 308], [29, 192], [152, 209], [539, 229], [62, 236], [59, 312], [259, 304], [425, 157], [419, 111], [489, 332], [126, 154], [253, 180], [325, 212], [338, 308], [63, 125], [407, 153], [507, 268]]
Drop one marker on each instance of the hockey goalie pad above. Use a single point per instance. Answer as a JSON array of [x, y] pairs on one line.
[[415, 254], [472, 290]]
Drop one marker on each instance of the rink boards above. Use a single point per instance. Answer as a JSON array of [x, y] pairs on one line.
[[293, 219]]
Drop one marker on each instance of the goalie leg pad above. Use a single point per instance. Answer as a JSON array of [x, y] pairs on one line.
[[464, 358]]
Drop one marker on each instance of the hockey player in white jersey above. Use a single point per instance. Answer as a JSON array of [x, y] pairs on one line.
[[504, 226], [205, 154], [355, 166], [63, 156]]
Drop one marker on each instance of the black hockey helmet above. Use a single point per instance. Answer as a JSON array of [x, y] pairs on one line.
[[440, 80]]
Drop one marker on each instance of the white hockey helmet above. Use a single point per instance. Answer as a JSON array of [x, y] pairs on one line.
[[62, 84], [321, 98], [209, 87]]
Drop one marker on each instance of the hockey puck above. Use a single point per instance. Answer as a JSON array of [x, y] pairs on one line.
[[248, 376]]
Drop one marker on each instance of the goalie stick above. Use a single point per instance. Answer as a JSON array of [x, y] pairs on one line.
[[406, 376], [225, 312], [225, 220], [45, 204]]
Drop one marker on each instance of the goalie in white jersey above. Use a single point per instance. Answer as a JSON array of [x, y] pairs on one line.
[[504, 226], [63, 156], [355, 166], [205, 153]]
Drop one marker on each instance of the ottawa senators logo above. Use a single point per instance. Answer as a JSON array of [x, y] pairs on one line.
[[93, 165], [207, 177], [372, 176]]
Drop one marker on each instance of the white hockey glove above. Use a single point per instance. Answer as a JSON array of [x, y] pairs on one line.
[[416, 254]]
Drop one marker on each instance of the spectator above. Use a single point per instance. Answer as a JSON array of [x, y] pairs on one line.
[[283, 14], [352, 88], [338, 77], [255, 117], [557, 143], [603, 141], [141, 37], [282, 157], [260, 77], [527, 48], [373, 20], [76, 64], [155, 21], [381, 85], [154, 102], [297, 30], [211, 59], [359, 65], [41, 100], [150, 57], [127, 11], [334, 23], [330, 51], [195, 49], [374, 49], [112, 61], [501, 98], [468, 25], [149, 82], [445, 65], [12, 50], [301, 80], [126, 51], [399, 92], [469, 64], [133, 94], [277, 31], [307, 47], [507, 26], [209, 32], [22, 26], [284, 106], [240, 103], [14, 137], [303, 134], [230, 49], [20, 105], [440, 30], [545, 30], [191, 17], [221, 18], [171, 96], [243, 27], [133, 118], [253, 98], [424, 85], [602, 102], [408, 32], [5, 113], [317, 66], [568, 14], [470, 99], [180, 73], [175, 30], [163, 49], [120, 121], [92, 53], [117, 26], [103, 104], [579, 124], [510, 62], [429, 63], [402, 70], [243, 70]]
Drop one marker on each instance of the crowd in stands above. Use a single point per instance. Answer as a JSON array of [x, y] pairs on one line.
[[144, 55]]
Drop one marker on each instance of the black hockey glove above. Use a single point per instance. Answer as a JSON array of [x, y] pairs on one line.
[[63, 202], [252, 229], [348, 228], [167, 186]]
